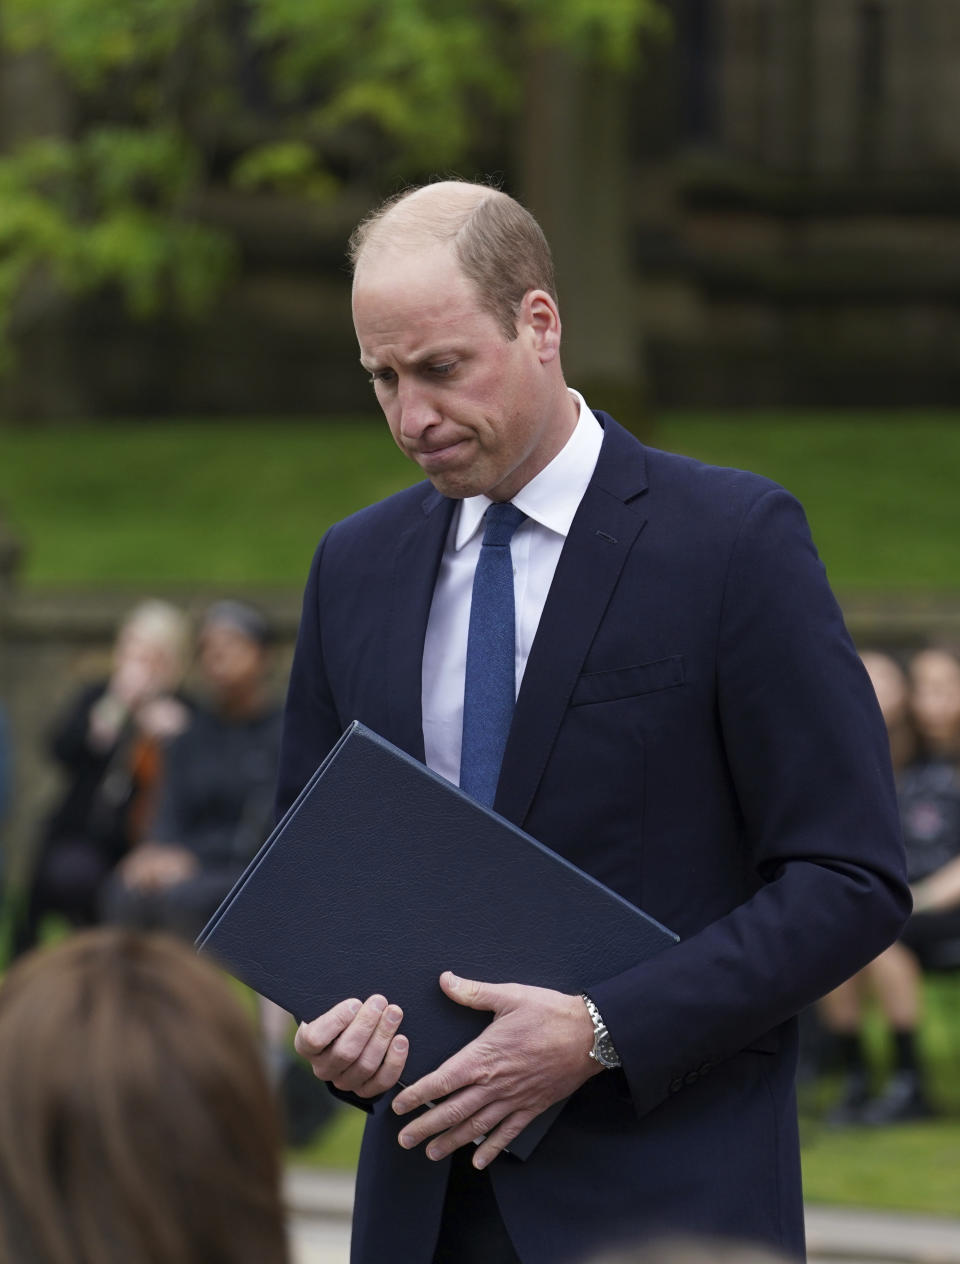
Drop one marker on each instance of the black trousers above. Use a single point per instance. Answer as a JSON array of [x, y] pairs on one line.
[[472, 1230]]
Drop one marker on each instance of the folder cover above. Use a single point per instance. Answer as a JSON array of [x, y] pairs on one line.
[[382, 874]]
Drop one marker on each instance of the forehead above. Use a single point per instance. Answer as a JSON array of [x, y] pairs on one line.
[[401, 294]]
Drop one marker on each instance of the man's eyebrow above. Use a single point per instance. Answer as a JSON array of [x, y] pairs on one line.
[[423, 360]]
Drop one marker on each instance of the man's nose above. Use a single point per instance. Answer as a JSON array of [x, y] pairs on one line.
[[417, 411]]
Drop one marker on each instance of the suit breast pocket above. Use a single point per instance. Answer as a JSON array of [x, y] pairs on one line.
[[628, 682]]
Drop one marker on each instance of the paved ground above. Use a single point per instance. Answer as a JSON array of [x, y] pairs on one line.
[[320, 1204]]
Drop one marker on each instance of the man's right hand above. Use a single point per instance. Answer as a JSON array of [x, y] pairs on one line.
[[355, 1046]]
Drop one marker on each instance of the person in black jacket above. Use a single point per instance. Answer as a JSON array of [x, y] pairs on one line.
[[6, 777], [215, 799], [109, 744], [922, 711]]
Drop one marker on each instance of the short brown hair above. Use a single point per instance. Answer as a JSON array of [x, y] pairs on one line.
[[136, 1122], [498, 243]]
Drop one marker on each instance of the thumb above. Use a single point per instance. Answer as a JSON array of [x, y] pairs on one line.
[[471, 993]]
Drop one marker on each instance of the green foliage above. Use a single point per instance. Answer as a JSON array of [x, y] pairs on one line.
[[106, 209], [279, 94], [288, 165], [91, 38]]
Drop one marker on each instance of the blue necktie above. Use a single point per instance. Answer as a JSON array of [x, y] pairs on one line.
[[489, 691]]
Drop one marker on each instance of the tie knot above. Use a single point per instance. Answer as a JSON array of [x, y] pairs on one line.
[[502, 519]]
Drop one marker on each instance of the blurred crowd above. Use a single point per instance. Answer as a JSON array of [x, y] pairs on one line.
[[920, 702], [166, 794], [167, 768]]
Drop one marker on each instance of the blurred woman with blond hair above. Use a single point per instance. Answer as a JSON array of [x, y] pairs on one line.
[[109, 745]]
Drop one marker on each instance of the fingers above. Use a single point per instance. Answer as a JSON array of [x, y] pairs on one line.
[[390, 1069], [476, 995], [456, 1073], [313, 1039], [470, 1064], [464, 1119], [458, 1120], [356, 1046], [500, 1138]]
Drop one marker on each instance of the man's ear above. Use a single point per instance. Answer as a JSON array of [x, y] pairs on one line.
[[539, 313]]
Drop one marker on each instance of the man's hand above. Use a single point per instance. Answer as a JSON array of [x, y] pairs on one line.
[[356, 1047], [535, 1052]]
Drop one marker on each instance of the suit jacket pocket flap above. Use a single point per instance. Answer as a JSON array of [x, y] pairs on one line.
[[627, 682]]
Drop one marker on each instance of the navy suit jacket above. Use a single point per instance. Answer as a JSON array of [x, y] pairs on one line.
[[695, 729]]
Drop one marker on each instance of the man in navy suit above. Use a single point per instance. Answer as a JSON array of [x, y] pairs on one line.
[[692, 726]]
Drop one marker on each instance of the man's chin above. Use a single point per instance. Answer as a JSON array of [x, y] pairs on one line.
[[458, 484], [453, 487]]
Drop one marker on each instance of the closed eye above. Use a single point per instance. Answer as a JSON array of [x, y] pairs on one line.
[[382, 375]]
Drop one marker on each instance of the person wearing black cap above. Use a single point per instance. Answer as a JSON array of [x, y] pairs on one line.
[[214, 806]]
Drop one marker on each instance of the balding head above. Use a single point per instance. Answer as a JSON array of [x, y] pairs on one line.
[[498, 244]]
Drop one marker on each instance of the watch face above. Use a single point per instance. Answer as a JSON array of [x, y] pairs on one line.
[[606, 1053]]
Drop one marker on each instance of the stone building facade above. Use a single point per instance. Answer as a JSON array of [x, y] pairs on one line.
[[800, 230]]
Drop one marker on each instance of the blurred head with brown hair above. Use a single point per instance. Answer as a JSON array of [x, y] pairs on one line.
[[935, 699], [890, 684], [136, 1123]]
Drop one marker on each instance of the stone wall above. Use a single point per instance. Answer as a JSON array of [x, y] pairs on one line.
[[800, 246]]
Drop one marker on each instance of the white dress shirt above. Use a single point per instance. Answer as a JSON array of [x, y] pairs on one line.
[[550, 501]]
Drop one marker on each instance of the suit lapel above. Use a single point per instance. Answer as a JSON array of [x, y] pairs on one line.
[[417, 560], [601, 536]]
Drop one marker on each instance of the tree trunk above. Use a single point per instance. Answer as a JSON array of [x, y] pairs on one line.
[[574, 171]]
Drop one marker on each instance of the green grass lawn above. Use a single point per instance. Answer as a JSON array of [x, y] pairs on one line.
[[909, 1167], [244, 503], [236, 503]]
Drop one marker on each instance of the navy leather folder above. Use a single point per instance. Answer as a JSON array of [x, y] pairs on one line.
[[382, 874]]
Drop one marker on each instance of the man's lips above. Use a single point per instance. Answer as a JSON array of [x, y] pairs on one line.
[[436, 453]]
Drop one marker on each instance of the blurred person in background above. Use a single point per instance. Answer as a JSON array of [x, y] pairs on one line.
[[6, 779], [150, 1136], [214, 809], [215, 796], [922, 713], [109, 744]]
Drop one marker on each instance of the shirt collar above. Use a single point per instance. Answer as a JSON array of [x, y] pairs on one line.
[[552, 496]]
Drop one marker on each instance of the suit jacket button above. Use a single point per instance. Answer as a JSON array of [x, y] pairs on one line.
[[691, 1077], [704, 1067], [676, 1085]]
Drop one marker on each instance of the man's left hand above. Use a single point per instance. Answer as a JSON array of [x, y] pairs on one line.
[[534, 1052]]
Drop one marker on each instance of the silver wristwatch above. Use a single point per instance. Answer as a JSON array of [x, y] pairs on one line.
[[603, 1050]]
